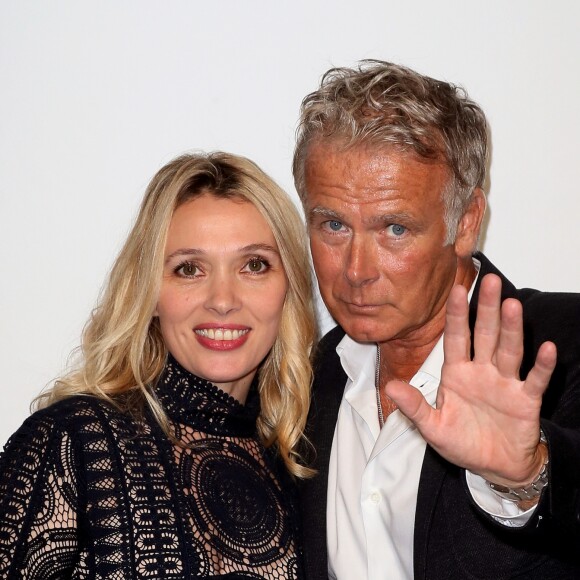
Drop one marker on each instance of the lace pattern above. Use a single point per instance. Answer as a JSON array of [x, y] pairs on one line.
[[86, 492]]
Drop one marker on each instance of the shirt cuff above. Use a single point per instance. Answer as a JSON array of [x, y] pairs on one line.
[[504, 511]]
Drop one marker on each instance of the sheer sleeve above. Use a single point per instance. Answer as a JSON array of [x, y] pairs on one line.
[[39, 497]]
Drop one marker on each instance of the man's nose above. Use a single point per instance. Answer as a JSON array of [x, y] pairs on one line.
[[361, 266], [223, 294]]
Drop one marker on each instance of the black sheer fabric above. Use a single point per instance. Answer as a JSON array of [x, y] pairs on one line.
[[88, 492]]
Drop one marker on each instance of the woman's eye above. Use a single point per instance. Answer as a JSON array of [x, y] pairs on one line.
[[397, 229], [188, 269], [256, 265]]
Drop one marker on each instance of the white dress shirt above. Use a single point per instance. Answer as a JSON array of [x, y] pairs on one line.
[[374, 473]]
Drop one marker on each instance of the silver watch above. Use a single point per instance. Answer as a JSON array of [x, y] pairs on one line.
[[532, 490]]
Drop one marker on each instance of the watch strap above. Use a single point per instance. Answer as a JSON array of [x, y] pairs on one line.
[[530, 491]]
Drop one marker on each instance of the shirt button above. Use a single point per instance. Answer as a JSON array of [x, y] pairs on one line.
[[375, 497]]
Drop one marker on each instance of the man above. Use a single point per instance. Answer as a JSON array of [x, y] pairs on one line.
[[438, 456]]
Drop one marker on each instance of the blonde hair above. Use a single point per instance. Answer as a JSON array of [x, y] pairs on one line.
[[122, 349]]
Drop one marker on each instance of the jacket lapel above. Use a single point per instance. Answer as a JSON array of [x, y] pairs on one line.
[[327, 391]]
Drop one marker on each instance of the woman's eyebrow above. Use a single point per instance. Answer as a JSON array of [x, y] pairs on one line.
[[185, 252], [242, 250], [258, 247]]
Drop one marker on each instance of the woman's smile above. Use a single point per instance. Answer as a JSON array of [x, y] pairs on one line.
[[223, 291]]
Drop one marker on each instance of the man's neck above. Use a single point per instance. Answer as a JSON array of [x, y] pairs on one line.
[[402, 359]]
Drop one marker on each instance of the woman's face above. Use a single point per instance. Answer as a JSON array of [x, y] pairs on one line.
[[222, 292]]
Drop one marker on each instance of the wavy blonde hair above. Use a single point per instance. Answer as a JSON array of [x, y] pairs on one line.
[[122, 350]]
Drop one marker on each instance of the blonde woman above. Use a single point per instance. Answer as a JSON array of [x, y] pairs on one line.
[[170, 451]]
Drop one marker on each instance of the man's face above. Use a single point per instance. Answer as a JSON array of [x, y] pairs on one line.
[[377, 236]]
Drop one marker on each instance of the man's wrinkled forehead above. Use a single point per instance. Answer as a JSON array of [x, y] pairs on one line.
[[434, 152], [353, 161]]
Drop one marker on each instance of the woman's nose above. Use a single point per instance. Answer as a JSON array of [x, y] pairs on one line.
[[222, 294]]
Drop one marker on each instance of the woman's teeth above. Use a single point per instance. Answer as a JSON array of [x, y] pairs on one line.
[[221, 333]]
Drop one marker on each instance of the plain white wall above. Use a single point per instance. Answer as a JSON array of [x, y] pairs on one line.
[[95, 96]]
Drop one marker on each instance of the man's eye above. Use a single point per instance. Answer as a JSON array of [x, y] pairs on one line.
[[334, 225], [397, 229]]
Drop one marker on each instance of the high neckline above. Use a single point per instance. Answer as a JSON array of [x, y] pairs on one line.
[[195, 402]]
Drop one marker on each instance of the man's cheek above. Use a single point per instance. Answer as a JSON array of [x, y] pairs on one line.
[[327, 262]]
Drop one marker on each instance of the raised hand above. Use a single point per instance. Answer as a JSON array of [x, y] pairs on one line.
[[486, 419]]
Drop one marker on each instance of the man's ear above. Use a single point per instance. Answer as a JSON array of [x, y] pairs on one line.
[[470, 224]]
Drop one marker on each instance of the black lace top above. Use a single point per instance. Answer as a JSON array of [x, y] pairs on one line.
[[88, 492]]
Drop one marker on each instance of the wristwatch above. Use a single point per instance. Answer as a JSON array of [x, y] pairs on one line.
[[528, 492]]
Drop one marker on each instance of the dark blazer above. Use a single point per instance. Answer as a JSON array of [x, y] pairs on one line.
[[453, 538]]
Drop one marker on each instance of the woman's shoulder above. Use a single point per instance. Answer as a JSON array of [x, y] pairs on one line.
[[76, 408], [75, 416]]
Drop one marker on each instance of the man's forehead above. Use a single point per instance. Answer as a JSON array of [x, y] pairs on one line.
[[379, 179], [322, 149]]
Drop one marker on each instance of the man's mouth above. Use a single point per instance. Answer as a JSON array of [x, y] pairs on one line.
[[356, 305]]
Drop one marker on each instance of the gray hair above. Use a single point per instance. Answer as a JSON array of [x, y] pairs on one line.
[[384, 104]]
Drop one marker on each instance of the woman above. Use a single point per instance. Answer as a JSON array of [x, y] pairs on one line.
[[167, 452]]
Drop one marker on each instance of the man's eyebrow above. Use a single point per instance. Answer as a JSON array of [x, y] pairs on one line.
[[377, 219], [326, 213], [391, 218]]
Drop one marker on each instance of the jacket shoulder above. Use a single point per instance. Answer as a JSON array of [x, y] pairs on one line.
[[552, 316], [557, 303]]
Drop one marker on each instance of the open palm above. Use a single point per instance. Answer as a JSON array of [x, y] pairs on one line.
[[486, 419]]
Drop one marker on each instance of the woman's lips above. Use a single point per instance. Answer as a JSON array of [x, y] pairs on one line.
[[221, 337]]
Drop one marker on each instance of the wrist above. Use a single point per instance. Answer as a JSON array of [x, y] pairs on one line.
[[528, 494]]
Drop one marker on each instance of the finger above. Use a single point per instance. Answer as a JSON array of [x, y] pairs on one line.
[[510, 349], [487, 324], [411, 403], [539, 377], [457, 338]]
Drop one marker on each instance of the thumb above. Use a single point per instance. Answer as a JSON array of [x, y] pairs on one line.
[[410, 401]]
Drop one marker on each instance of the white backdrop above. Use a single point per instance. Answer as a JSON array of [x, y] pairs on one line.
[[95, 96]]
